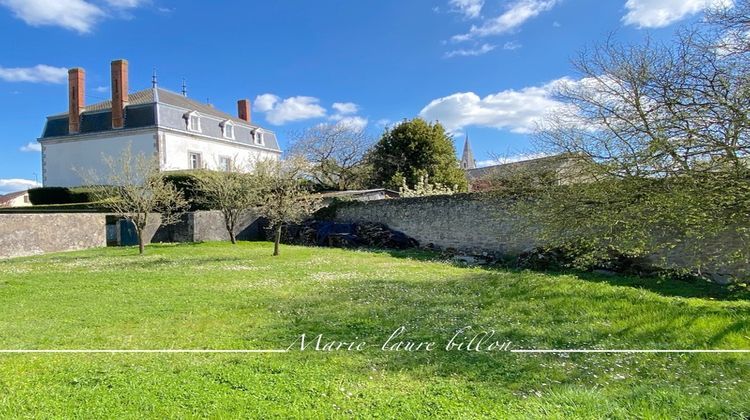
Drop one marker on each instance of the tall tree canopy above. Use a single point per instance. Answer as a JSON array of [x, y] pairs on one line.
[[336, 152], [414, 149]]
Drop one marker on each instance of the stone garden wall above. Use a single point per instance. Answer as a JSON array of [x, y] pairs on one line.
[[479, 224], [31, 234], [202, 226], [468, 222]]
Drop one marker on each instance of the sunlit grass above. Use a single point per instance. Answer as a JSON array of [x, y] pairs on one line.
[[216, 296]]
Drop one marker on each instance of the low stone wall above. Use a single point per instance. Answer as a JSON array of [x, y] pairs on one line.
[[479, 224], [474, 223], [202, 226], [32, 234]]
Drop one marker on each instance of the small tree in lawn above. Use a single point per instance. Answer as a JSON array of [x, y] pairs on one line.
[[233, 193], [282, 196], [135, 189]]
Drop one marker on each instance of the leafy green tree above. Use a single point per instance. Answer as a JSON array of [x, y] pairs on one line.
[[414, 149]]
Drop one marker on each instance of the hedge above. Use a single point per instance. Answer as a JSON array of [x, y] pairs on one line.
[[188, 183], [61, 195]]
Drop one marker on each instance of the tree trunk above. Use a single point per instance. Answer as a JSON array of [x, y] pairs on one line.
[[277, 240], [141, 248], [230, 223]]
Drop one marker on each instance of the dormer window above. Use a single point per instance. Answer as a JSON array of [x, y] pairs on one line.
[[227, 127], [258, 137], [193, 121]]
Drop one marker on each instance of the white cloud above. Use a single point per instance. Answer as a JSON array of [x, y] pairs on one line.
[[383, 122], [77, 15], [102, 89], [38, 74], [471, 52], [265, 102], [355, 123], [660, 13], [15, 184], [512, 45], [471, 9], [519, 111], [514, 16], [31, 146], [125, 4], [297, 108], [345, 108], [344, 115]]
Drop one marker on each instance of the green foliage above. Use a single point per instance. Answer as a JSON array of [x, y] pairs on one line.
[[189, 184], [414, 149], [704, 218], [424, 188], [62, 195]]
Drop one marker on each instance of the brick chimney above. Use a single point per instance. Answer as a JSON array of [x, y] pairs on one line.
[[119, 92], [243, 109], [76, 98]]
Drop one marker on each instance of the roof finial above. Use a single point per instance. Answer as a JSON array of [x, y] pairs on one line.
[[153, 79], [184, 87]]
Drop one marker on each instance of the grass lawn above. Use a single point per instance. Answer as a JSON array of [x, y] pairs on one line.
[[218, 296]]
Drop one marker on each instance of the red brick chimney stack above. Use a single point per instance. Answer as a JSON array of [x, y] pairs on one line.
[[243, 109], [76, 98], [119, 92]]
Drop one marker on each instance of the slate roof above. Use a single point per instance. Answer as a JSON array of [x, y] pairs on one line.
[[140, 113], [555, 162], [148, 96]]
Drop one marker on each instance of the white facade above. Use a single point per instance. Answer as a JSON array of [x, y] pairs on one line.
[[177, 149], [68, 161], [15, 200]]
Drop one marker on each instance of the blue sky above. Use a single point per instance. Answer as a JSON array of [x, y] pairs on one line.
[[479, 66]]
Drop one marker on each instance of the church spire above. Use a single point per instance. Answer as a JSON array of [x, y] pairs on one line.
[[467, 160]]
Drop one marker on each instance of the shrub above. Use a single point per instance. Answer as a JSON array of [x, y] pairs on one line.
[[700, 221], [188, 183], [62, 195]]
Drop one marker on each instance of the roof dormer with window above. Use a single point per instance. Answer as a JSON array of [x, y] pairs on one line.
[[227, 128], [193, 121]]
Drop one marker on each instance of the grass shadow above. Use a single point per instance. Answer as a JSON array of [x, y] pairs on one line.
[[668, 287]]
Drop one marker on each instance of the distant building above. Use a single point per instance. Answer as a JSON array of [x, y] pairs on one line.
[[16, 199], [467, 159], [181, 133], [359, 195], [556, 169]]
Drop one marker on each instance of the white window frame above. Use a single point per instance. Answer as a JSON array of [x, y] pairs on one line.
[[189, 120], [225, 128], [190, 160], [258, 138], [225, 167]]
